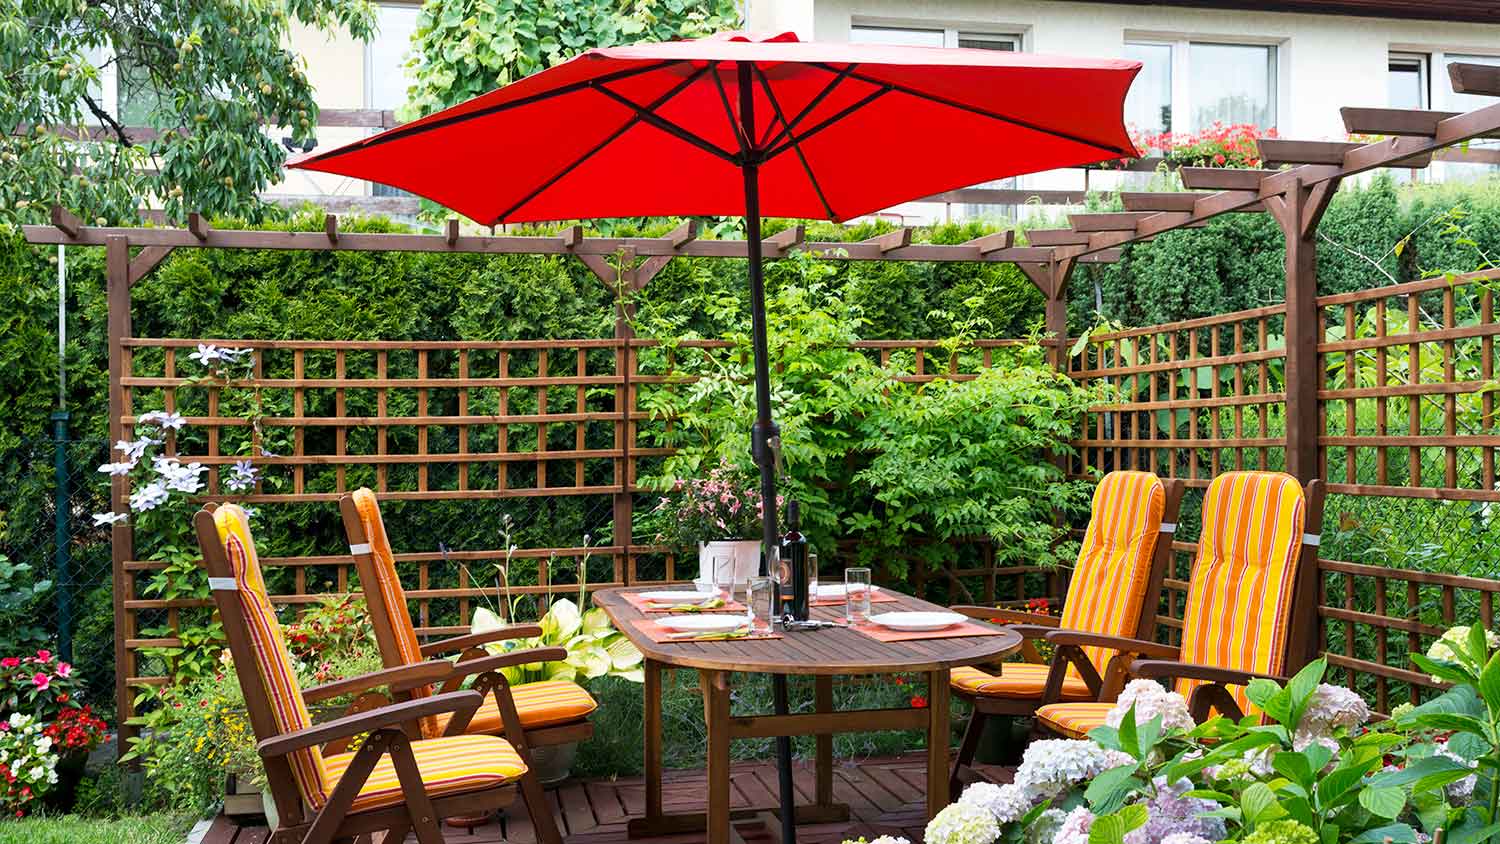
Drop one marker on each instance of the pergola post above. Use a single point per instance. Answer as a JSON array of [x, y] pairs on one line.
[[122, 540], [1298, 212]]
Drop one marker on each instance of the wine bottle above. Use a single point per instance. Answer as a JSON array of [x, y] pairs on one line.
[[794, 557]]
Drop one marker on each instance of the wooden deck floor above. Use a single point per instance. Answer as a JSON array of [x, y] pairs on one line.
[[885, 797]]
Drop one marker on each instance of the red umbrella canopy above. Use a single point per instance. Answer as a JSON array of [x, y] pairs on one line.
[[839, 130]]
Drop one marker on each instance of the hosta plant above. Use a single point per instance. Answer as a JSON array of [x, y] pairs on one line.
[[595, 648]]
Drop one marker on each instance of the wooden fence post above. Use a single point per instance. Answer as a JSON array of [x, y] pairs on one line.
[[1298, 212], [122, 539]]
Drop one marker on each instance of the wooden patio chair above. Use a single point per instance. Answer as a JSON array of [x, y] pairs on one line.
[[1259, 530], [1113, 592], [390, 784], [528, 715]]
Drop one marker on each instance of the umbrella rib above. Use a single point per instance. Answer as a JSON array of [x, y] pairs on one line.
[[647, 114], [765, 84], [794, 139], [739, 131], [984, 112], [416, 129], [624, 127], [808, 109]]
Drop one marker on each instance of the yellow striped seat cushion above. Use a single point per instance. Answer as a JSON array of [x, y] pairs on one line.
[[448, 766], [1108, 587], [544, 704], [1240, 597], [1015, 680], [1073, 720], [288, 710]]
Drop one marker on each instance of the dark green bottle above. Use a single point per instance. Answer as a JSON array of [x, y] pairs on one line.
[[794, 557]]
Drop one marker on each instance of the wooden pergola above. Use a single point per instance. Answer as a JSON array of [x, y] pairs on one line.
[[1296, 197]]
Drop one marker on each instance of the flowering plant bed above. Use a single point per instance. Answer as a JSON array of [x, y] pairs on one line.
[[1220, 145], [724, 505], [1317, 770]]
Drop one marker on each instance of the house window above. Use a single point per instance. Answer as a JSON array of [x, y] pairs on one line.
[[1232, 83], [385, 66], [1407, 81], [934, 37], [1187, 86], [1148, 107]]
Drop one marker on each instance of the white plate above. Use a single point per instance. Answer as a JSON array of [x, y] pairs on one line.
[[838, 590], [916, 622], [678, 596], [707, 623]]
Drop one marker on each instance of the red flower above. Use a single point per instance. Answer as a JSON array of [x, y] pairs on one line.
[[64, 669], [43, 655], [10, 662], [918, 702], [41, 681], [899, 680]]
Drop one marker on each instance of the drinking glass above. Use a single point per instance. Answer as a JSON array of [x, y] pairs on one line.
[[856, 595], [812, 578], [759, 601], [721, 576]]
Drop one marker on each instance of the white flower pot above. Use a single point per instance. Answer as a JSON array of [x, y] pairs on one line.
[[745, 552]]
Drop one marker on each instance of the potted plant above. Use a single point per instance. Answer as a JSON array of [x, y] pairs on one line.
[[40, 693], [721, 514]]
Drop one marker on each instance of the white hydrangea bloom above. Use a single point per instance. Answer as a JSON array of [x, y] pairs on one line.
[[1460, 791], [961, 823], [1006, 802], [1045, 827], [1151, 700], [1051, 766], [1075, 827], [1332, 707]]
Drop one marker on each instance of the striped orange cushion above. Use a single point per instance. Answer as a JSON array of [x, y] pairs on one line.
[[1239, 600], [409, 649], [271, 660], [1016, 680], [543, 704], [448, 765], [1108, 587], [1073, 720]]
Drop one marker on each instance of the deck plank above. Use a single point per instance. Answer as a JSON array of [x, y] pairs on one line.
[[885, 797]]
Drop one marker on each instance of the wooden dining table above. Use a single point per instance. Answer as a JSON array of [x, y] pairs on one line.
[[821, 654]]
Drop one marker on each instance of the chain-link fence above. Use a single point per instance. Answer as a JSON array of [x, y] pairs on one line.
[[56, 569]]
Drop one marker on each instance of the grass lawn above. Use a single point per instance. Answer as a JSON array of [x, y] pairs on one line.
[[76, 829]]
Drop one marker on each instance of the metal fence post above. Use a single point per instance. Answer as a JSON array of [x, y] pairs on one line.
[[62, 535]]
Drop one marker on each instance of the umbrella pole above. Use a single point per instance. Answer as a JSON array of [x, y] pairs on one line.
[[764, 432]]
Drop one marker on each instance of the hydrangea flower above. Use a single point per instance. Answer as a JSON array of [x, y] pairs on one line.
[[1459, 791], [1075, 827], [1170, 812], [1051, 766], [1150, 701], [1044, 828], [1006, 802], [1281, 832], [1184, 838], [1332, 707], [962, 823], [1442, 649]]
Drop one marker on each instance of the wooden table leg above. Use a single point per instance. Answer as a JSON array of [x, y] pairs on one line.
[[823, 765], [716, 715], [938, 715], [653, 755]]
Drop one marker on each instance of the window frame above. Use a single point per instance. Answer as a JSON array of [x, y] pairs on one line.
[[952, 32], [1423, 64], [1181, 71]]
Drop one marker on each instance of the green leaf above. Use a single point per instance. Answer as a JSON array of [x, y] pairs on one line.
[[1422, 774], [1112, 828], [1398, 833], [1295, 766], [1258, 803], [1383, 802], [1109, 791], [1336, 784], [1489, 678]]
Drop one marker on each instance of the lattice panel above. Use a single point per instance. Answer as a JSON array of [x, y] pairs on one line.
[[1187, 399], [1408, 400]]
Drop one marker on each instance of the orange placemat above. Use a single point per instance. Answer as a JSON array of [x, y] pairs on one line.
[[638, 600], [957, 631], [879, 596], [661, 635]]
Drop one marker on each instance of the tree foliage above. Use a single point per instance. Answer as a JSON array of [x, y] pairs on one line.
[[202, 77], [463, 48]]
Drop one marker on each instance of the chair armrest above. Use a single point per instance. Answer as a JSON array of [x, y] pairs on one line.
[[398, 679], [1006, 616], [1154, 668], [481, 665], [474, 640], [370, 720], [1119, 643]]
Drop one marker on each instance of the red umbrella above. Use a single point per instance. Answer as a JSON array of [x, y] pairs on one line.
[[740, 125]]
